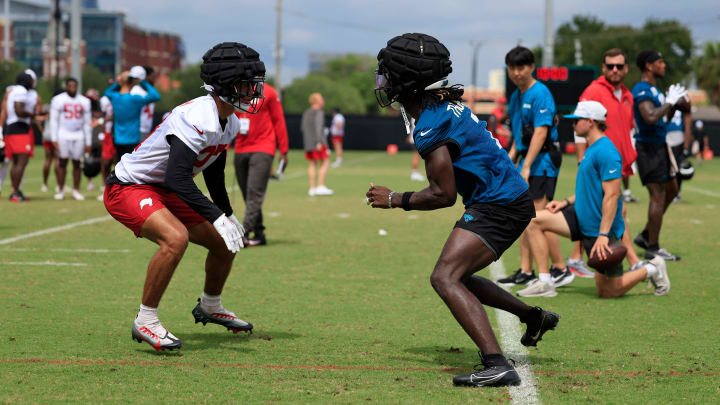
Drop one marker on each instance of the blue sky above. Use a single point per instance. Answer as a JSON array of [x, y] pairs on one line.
[[364, 26]]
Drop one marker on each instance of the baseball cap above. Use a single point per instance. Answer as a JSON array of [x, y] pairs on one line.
[[137, 72], [648, 56], [589, 109]]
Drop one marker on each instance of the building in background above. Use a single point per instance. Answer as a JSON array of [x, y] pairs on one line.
[[108, 43]]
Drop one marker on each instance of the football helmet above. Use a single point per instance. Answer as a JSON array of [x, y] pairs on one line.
[[235, 73]]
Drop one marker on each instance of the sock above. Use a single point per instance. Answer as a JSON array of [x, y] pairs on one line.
[[530, 315], [654, 246], [338, 160], [495, 359], [545, 278], [526, 271], [210, 303], [147, 315], [651, 270], [645, 233]]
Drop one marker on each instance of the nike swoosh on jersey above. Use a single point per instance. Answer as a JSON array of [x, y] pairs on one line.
[[199, 131], [613, 171], [543, 111], [423, 133]]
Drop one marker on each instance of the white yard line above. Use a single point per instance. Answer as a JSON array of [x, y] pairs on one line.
[[55, 229], [65, 250], [45, 263], [700, 190], [510, 333]]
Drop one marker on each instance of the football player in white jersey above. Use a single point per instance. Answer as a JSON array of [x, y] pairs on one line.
[[152, 191], [146, 117], [70, 132], [17, 114]]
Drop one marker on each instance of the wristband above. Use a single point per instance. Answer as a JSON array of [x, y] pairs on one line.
[[390, 198], [406, 200], [605, 234], [567, 202]]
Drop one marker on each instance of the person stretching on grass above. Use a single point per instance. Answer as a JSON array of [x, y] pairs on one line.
[[152, 191], [593, 214], [461, 156]]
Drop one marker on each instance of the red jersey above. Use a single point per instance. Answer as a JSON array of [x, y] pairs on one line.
[[263, 131], [619, 117]]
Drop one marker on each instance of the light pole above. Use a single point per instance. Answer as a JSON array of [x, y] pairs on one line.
[[476, 46]]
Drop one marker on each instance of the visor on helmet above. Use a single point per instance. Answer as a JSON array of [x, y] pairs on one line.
[[382, 90], [248, 95]]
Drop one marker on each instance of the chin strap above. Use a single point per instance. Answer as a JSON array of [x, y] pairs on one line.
[[405, 118]]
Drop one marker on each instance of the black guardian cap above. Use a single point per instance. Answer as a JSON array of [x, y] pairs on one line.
[[234, 72], [411, 63]]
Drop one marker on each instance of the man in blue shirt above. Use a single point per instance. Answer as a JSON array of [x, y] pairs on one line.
[[652, 111], [593, 214], [128, 107], [532, 121], [461, 157]]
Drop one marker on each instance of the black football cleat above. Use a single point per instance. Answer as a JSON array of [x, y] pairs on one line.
[[539, 322], [498, 373], [225, 318]]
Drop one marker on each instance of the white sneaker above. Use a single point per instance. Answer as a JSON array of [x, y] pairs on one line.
[[579, 268], [44, 188], [156, 335], [322, 190], [100, 197], [76, 195], [90, 186], [538, 288], [415, 176], [336, 164], [59, 195], [311, 192], [660, 280]]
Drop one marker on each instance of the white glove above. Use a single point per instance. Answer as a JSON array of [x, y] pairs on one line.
[[229, 232], [675, 93], [239, 227]]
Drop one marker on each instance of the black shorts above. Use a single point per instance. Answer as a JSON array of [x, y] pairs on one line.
[[17, 128], [120, 150], [542, 186], [653, 163], [587, 241], [498, 225]]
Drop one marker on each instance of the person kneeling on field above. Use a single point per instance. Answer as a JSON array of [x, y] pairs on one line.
[[593, 214], [461, 157], [152, 191]]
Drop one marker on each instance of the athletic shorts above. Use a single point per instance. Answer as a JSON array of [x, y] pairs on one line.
[[498, 225], [120, 150], [19, 140], [587, 241], [131, 205], [542, 186], [72, 149], [48, 146], [315, 155], [108, 148], [337, 138], [653, 163]]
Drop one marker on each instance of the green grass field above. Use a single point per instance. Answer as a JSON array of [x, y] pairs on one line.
[[341, 313]]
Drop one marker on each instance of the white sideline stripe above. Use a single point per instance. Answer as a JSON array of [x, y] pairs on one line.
[[55, 229], [67, 250], [510, 333], [46, 263], [701, 191]]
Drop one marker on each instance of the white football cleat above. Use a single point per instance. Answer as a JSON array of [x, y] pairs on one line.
[[76, 195], [156, 336]]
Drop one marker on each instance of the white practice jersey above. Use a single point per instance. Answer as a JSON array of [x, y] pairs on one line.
[[195, 123], [146, 116], [20, 94], [70, 118], [337, 128], [106, 108]]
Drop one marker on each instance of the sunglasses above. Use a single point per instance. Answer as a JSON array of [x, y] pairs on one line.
[[611, 66]]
